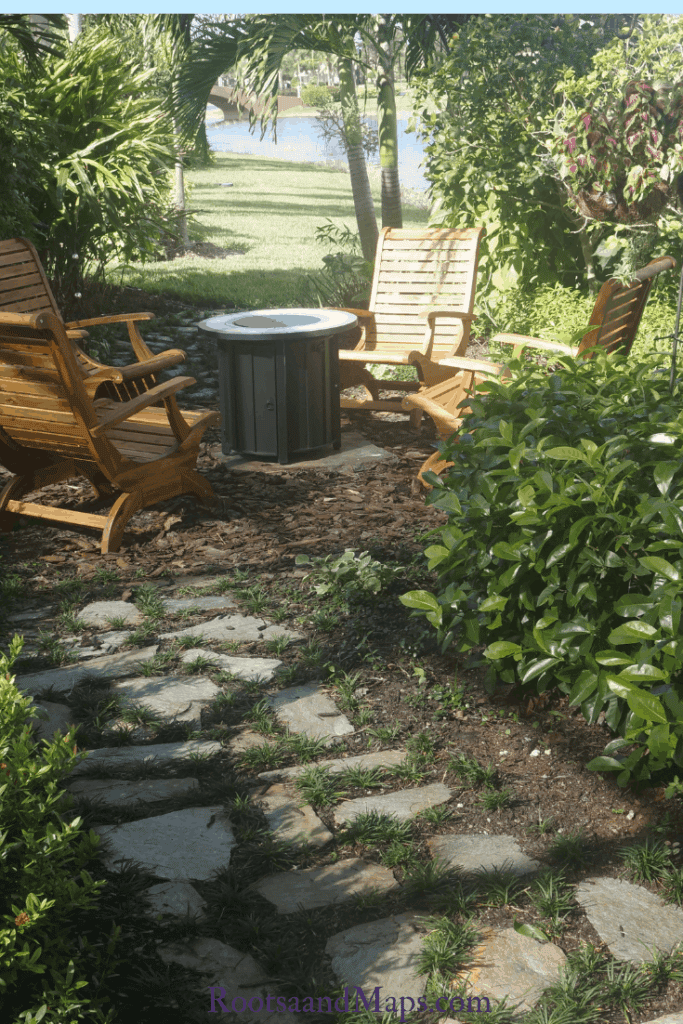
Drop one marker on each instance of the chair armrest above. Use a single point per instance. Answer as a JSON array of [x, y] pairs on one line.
[[464, 363], [125, 410], [358, 312], [136, 370], [432, 314], [545, 346], [115, 319]]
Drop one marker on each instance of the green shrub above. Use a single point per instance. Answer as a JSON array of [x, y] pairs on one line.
[[564, 547], [316, 96], [43, 881]]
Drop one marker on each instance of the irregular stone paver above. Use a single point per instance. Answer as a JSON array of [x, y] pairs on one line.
[[379, 759], [233, 976], [30, 616], [290, 822], [173, 698], [513, 965], [246, 740], [671, 1018], [234, 628], [262, 669], [142, 793], [309, 710], [176, 898], [110, 642], [404, 804], [317, 887], [192, 843], [50, 718], [98, 613], [113, 758], [629, 919], [380, 953], [62, 680], [204, 604], [482, 853]]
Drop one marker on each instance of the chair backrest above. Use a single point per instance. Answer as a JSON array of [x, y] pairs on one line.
[[24, 287], [43, 403], [417, 270], [619, 308]]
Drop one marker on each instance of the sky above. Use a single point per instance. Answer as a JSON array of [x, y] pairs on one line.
[[280, 6]]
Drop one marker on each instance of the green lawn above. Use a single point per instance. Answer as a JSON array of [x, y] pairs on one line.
[[269, 216]]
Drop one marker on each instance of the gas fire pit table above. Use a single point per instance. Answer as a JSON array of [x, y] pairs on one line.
[[279, 380]]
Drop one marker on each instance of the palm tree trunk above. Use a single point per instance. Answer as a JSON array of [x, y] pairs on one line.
[[388, 151], [358, 169], [180, 189]]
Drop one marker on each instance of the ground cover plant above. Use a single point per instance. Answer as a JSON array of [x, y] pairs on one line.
[[563, 550], [46, 885]]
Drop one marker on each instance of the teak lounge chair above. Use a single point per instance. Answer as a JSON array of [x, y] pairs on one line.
[[52, 429], [420, 311], [617, 313], [24, 288]]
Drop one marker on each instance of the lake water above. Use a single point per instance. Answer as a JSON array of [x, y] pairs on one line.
[[298, 140]]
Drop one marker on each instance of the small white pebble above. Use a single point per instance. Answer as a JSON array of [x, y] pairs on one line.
[[534, 753], [547, 751], [630, 816], [503, 753], [459, 805]]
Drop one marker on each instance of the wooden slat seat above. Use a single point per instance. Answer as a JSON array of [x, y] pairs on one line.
[[52, 429], [24, 288], [616, 315], [420, 311]]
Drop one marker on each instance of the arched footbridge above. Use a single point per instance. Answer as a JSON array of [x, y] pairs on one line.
[[235, 104]]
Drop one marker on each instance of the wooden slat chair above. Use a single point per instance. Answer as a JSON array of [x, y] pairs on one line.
[[52, 429], [617, 314], [442, 403], [24, 288], [420, 311]]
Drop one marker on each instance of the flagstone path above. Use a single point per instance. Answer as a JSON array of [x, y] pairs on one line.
[[193, 842]]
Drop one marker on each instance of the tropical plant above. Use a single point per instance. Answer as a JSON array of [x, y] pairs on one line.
[[617, 137], [104, 186], [562, 551]]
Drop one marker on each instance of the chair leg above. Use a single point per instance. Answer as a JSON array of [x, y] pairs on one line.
[[123, 509], [415, 418], [436, 464], [11, 491], [194, 483]]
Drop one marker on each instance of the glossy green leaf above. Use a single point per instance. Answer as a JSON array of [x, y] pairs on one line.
[[631, 632], [530, 931], [664, 474], [604, 764], [501, 649], [661, 567], [565, 452], [419, 599]]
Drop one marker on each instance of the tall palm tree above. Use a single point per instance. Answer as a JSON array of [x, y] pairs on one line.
[[262, 42]]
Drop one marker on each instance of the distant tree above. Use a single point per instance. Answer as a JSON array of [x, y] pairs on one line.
[[486, 114]]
